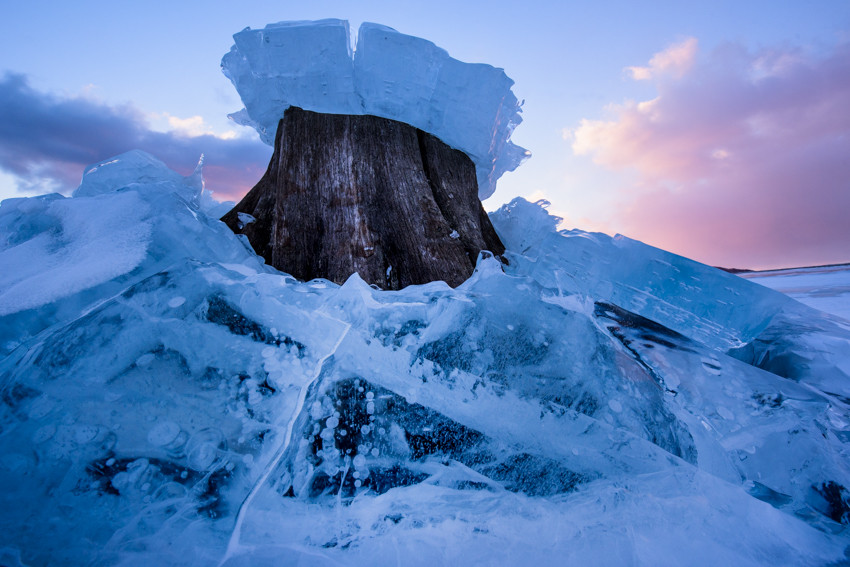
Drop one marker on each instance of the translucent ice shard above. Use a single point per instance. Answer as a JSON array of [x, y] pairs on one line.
[[306, 64], [310, 65], [133, 168], [130, 217]]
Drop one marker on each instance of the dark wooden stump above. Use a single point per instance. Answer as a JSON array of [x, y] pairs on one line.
[[364, 194]]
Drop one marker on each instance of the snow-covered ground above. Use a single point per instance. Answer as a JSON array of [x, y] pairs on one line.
[[826, 288]]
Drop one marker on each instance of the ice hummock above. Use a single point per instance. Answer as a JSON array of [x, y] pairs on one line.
[[310, 65], [599, 401]]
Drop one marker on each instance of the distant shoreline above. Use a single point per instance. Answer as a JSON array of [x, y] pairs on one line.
[[744, 272]]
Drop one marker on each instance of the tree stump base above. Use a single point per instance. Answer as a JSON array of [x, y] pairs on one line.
[[345, 194]]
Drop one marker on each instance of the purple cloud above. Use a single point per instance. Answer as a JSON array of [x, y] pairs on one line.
[[46, 138], [742, 160]]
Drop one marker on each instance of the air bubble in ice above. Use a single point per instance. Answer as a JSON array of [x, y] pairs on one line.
[[163, 433], [316, 410], [204, 448]]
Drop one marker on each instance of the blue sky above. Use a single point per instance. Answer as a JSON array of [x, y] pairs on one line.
[[685, 153]]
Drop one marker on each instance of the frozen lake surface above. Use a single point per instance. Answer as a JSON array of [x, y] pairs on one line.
[[826, 288]]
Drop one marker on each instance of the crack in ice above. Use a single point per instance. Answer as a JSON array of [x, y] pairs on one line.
[[233, 544]]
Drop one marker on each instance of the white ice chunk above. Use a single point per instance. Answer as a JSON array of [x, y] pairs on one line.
[[129, 169], [309, 64], [245, 219], [306, 64]]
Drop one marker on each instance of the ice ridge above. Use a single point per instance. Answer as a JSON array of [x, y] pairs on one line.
[[310, 64]]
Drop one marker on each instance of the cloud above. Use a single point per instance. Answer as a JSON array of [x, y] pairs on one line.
[[676, 60], [741, 160], [192, 126], [46, 141]]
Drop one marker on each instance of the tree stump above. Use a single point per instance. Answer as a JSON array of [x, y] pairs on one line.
[[365, 194]]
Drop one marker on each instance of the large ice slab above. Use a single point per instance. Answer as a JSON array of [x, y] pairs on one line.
[[719, 310], [310, 65]]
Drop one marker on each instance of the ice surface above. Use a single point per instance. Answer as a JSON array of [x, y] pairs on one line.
[[186, 404], [702, 303], [65, 249], [130, 217], [825, 288], [310, 65]]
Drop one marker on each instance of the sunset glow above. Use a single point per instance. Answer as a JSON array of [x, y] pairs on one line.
[[741, 149]]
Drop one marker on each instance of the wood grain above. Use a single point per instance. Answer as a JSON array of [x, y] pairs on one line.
[[365, 194]]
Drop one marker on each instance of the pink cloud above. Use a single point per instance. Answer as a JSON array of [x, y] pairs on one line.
[[743, 159], [676, 60], [46, 142]]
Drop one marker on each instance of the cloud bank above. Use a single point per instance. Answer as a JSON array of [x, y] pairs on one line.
[[46, 141], [743, 159]]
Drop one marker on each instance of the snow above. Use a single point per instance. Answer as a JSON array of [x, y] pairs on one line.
[[596, 401], [470, 107]]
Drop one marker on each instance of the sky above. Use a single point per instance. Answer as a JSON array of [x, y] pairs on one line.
[[719, 130]]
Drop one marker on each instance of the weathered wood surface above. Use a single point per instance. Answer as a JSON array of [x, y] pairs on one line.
[[345, 194]]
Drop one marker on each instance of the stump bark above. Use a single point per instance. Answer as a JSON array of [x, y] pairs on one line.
[[365, 194]]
